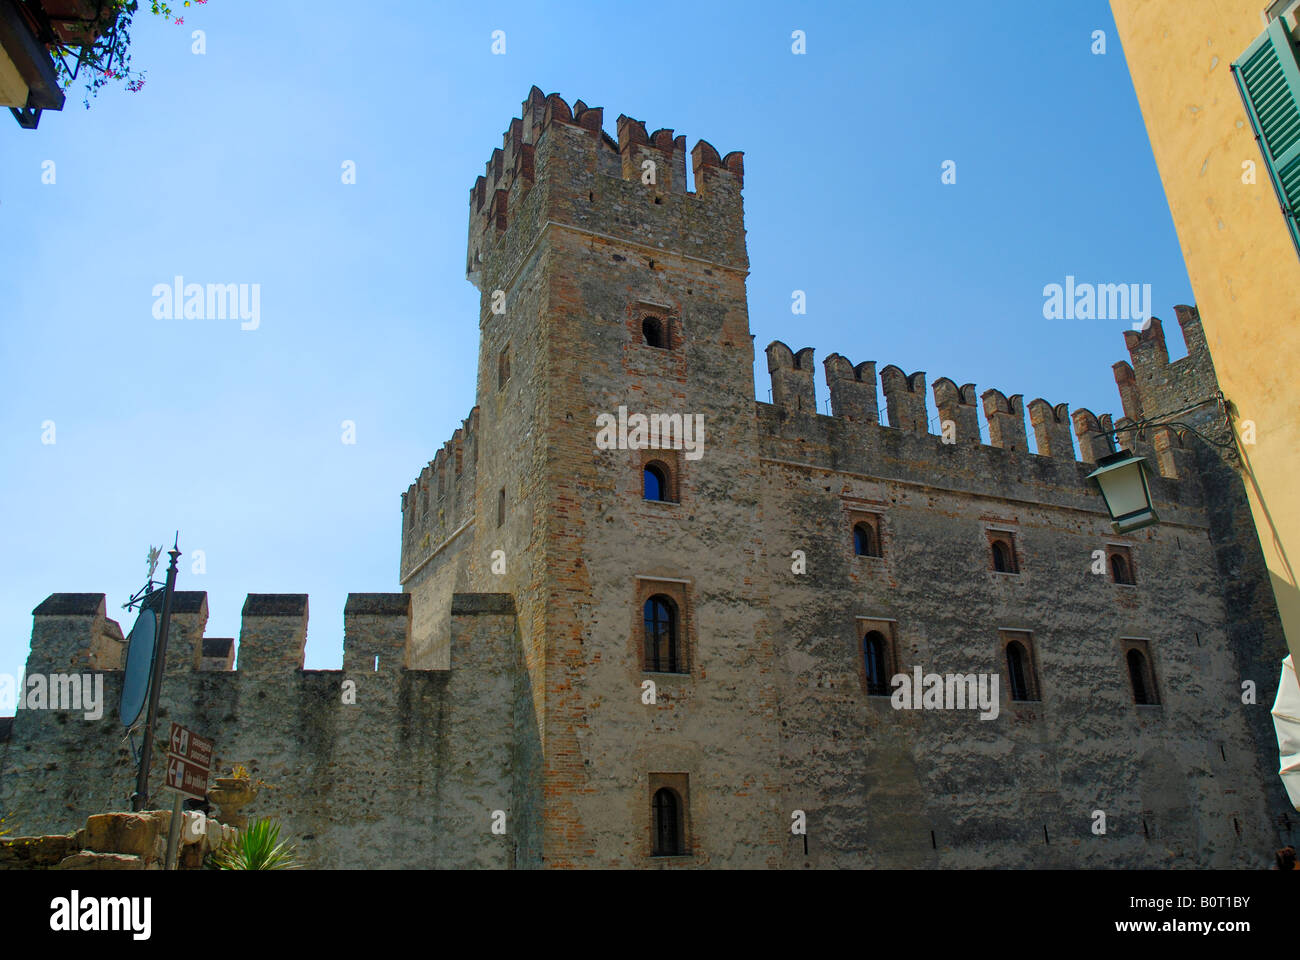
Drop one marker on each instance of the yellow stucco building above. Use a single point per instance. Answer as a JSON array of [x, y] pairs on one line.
[[1209, 75]]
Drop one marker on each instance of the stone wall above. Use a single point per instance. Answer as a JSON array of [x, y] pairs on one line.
[[119, 841], [374, 765], [1184, 782]]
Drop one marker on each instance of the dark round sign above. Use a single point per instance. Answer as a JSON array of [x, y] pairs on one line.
[[139, 666]]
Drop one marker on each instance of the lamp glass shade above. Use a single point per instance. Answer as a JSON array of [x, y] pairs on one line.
[[1123, 481]]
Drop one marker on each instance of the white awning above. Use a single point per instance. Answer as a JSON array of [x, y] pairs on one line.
[[1286, 720]]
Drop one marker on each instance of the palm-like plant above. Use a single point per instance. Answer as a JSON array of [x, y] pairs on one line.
[[258, 847]]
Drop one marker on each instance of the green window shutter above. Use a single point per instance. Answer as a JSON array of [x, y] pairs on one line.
[[1268, 77]]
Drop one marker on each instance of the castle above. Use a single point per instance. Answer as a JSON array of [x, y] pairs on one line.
[[644, 655]]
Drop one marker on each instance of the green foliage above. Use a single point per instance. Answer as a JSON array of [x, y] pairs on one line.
[[8, 821], [109, 56], [258, 847]]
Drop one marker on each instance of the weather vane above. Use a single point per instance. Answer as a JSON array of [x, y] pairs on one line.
[[148, 588]]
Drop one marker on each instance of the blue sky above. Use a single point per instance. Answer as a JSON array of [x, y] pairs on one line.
[[226, 168]]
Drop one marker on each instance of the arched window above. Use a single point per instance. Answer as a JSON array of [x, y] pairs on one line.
[[655, 331], [662, 649], [1119, 569], [1139, 677], [655, 485], [873, 658], [865, 541], [501, 507], [668, 824], [1004, 560], [1018, 671]]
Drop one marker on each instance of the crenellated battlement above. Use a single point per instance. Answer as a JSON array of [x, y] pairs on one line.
[[1149, 385], [442, 497], [1006, 419], [792, 378], [1152, 385], [1051, 429], [70, 630], [565, 155], [668, 154], [853, 388], [514, 160], [904, 399], [957, 405]]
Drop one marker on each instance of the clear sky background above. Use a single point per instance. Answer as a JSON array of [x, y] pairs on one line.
[[226, 168]]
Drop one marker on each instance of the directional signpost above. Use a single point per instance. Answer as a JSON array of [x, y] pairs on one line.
[[188, 746], [189, 760], [186, 778]]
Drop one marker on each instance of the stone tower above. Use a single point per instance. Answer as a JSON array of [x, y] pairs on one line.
[[605, 284]]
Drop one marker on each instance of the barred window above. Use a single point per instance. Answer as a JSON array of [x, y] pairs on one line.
[[662, 643]]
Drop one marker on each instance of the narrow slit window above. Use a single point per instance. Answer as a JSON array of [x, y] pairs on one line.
[[668, 831], [875, 662], [662, 643]]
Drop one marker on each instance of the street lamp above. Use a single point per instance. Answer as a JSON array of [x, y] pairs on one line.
[[1122, 477]]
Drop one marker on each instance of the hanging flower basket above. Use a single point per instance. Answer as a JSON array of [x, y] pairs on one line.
[[92, 38]]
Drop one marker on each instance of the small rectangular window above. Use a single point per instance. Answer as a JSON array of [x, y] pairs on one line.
[[670, 815], [1002, 551], [503, 367], [660, 475], [866, 531], [1119, 560], [1141, 672], [1020, 660], [663, 624], [876, 656]]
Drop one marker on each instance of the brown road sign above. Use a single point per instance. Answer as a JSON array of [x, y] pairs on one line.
[[186, 745], [187, 778]]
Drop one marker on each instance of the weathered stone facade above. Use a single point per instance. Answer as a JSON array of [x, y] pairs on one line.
[[402, 768], [516, 678]]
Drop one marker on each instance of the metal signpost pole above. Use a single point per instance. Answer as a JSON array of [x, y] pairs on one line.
[[174, 831], [189, 761], [160, 659]]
